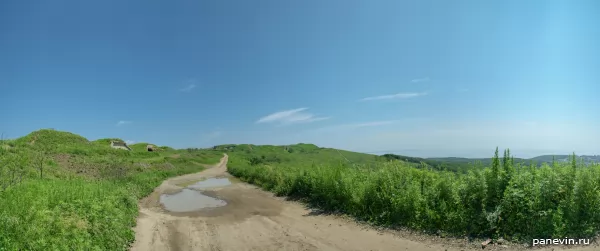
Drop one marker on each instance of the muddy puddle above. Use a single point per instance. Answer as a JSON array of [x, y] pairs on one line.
[[189, 200], [211, 183], [192, 199]]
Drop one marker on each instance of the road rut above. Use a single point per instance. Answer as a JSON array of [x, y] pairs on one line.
[[256, 220]]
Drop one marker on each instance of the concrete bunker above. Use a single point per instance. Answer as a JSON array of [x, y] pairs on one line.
[[119, 145], [151, 148]]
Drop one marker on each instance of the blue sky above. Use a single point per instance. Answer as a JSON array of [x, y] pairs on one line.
[[421, 78]]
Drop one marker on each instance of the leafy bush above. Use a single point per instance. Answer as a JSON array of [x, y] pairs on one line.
[[507, 200]]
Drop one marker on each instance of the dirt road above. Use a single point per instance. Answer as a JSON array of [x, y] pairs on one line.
[[256, 220]]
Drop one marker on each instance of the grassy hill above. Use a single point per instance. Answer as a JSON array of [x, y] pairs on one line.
[[82, 195], [299, 154], [79, 194]]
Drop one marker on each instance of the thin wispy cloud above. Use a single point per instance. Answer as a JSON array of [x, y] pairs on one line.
[[293, 116], [123, 122], [190, 84], [418, 80], [403, 95], [129, 142], [188, 88]]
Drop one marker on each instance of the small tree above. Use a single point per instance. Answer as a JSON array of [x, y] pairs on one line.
[[39, 159], [492, 182], [12, 168]]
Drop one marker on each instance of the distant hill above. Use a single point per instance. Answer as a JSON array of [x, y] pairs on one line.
[[449, 164], [538, 159], [484, 161], [298, 153], [302, 154], [565, 158], [463, 164]]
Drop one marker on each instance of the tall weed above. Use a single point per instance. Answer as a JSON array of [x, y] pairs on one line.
[[504, 200]]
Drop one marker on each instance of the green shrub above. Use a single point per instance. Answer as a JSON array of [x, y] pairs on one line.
[[504, 200]]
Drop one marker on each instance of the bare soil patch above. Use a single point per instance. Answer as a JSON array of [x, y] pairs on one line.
[[257, 220]]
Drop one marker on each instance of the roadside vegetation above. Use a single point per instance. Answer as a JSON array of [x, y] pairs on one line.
[[506, 199], [463, 165], [59, 191]]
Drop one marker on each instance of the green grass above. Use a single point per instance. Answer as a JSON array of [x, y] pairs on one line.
[[86, 196], [506, 200], [299, 155]]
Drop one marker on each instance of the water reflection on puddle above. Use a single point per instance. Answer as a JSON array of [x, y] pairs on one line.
[[210, 183], [189, 199]]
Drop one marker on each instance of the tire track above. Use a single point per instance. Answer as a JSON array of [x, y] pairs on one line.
[[254, 220]]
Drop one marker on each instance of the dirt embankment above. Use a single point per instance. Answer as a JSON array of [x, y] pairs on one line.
[[257, 220]]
